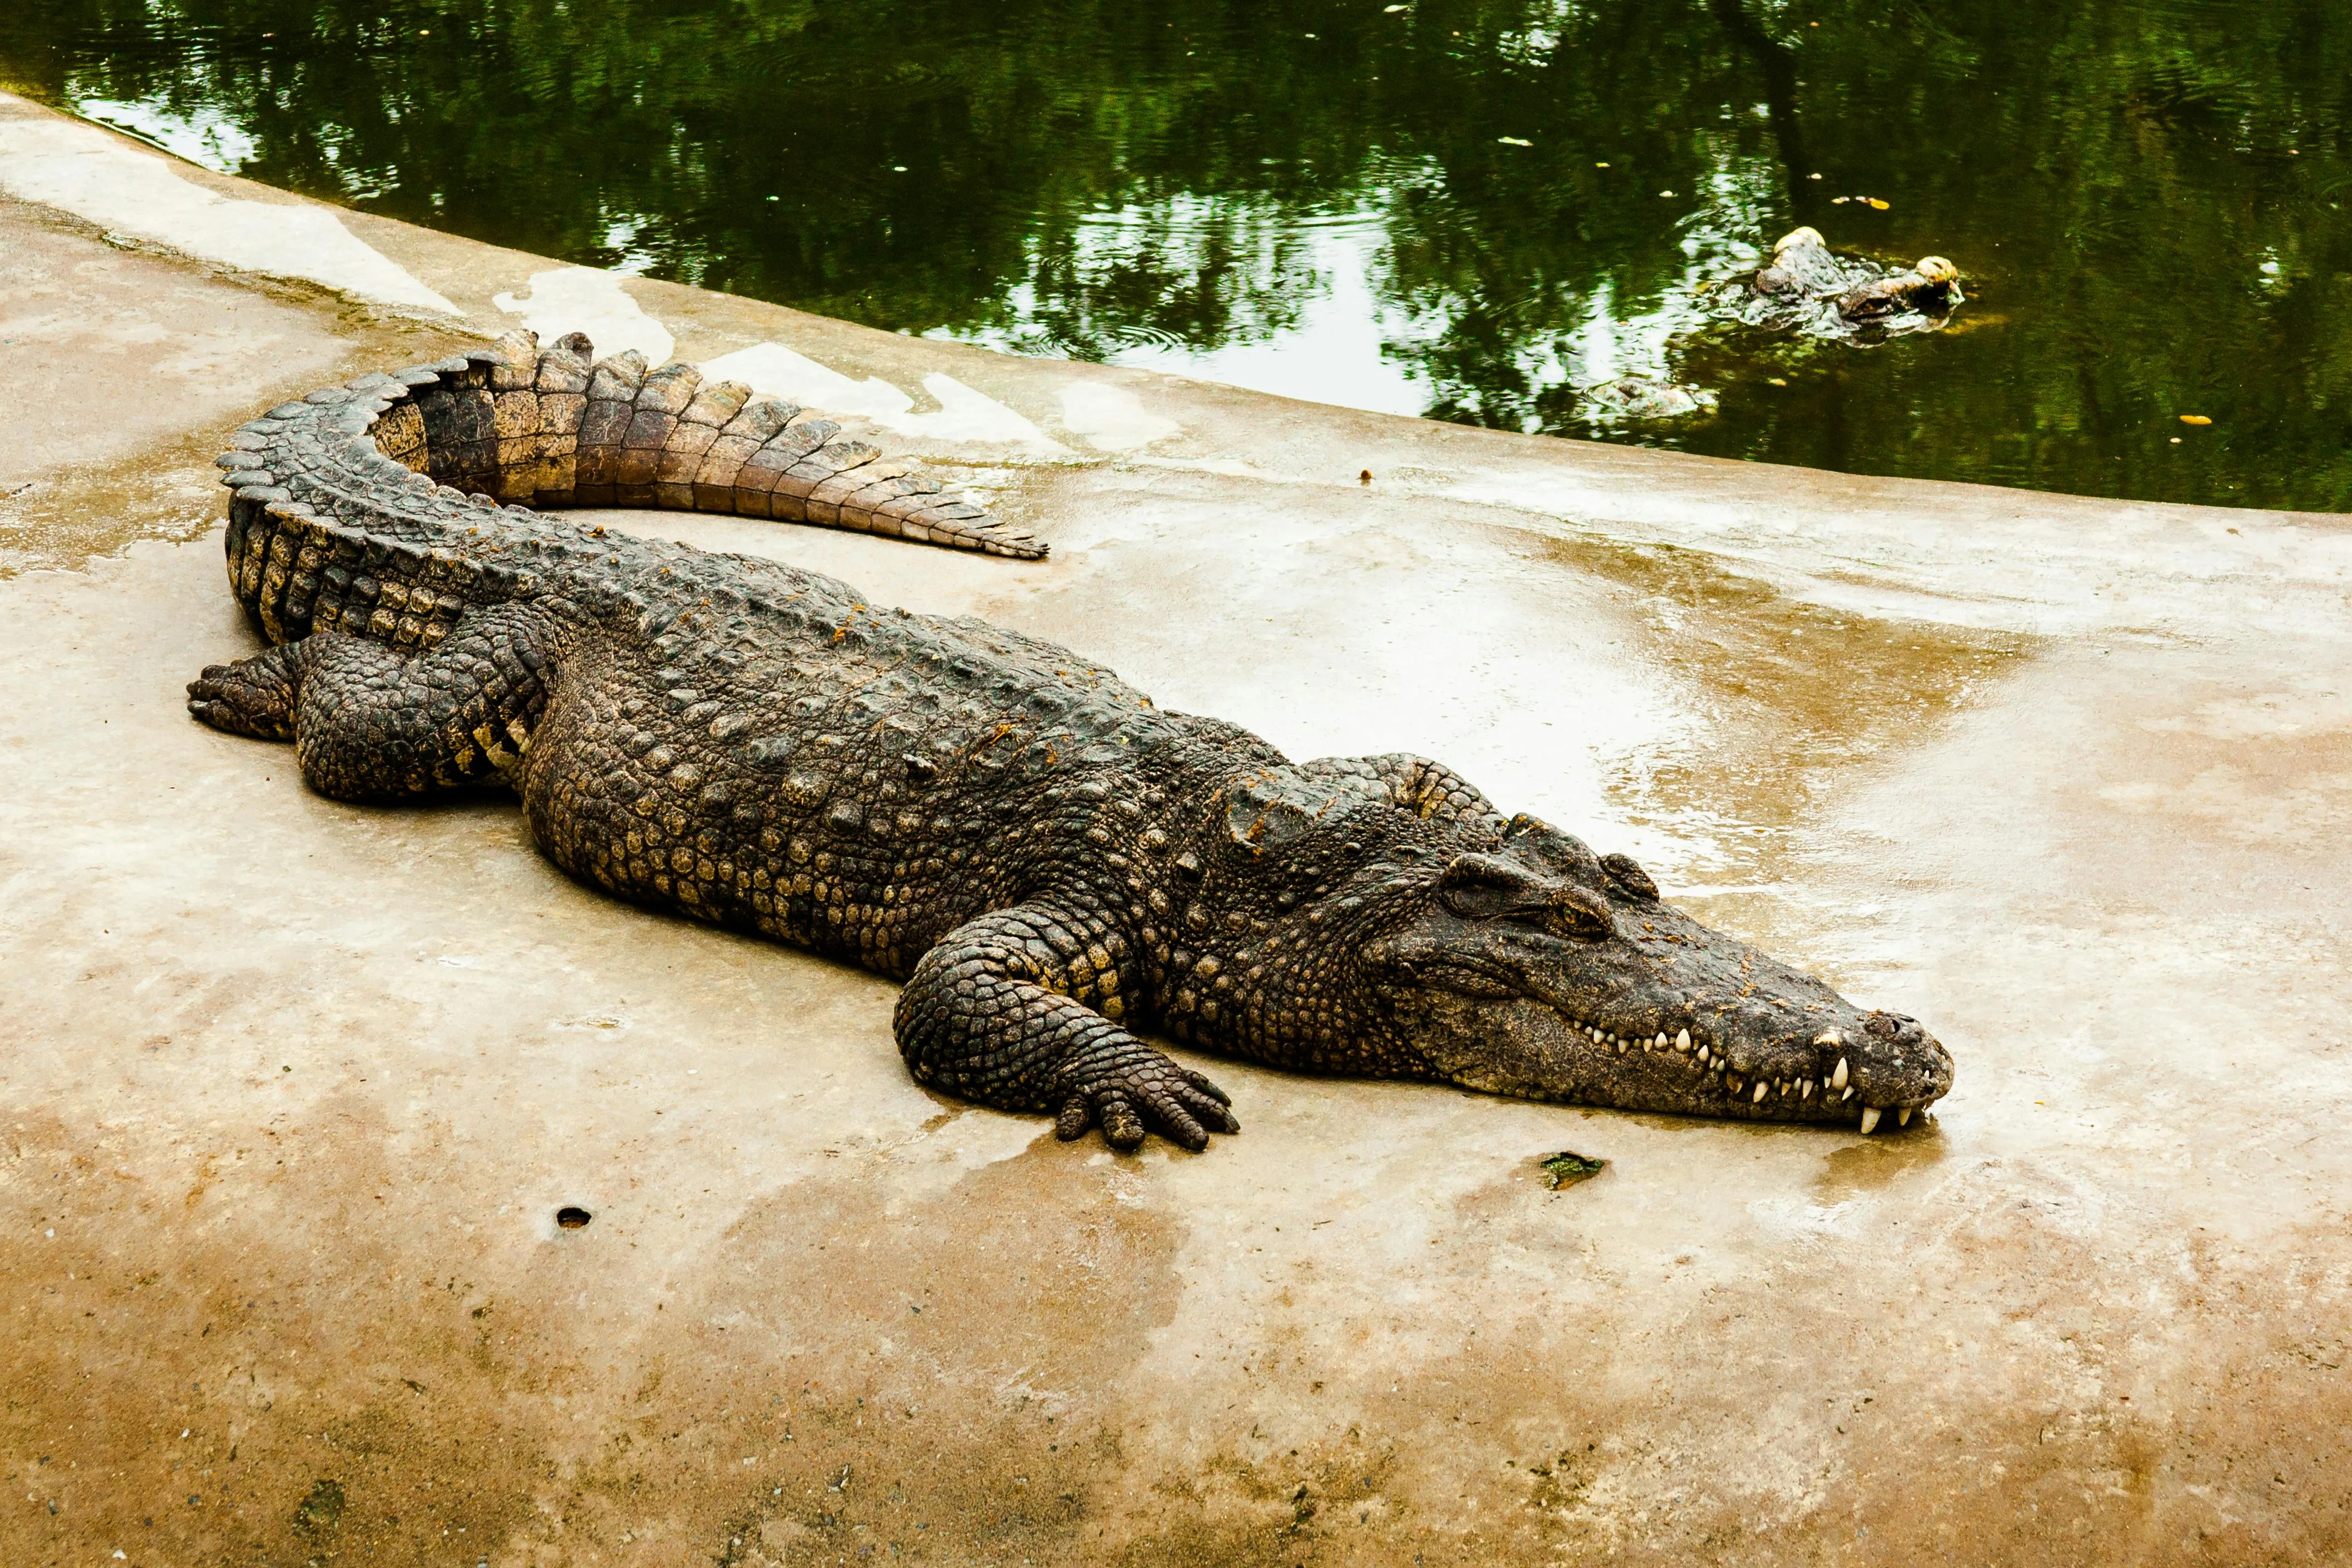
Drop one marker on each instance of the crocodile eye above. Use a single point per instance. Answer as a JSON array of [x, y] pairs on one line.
[[1573, 917]]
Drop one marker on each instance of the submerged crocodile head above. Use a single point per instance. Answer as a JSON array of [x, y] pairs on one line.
[[1540, 968]]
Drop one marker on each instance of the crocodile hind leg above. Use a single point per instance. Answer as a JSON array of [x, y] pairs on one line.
[[988, 1014], [372, 724], [253, 697]]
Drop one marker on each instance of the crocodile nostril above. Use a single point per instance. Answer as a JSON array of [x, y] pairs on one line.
[[1883, 1026], [571, 1218]]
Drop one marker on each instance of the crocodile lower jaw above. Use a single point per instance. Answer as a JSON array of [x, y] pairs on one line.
[[1833, 1090]]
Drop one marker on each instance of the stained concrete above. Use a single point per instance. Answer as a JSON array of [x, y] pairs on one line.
[[294, 1090]]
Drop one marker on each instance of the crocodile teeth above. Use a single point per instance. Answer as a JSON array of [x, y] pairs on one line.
[[1805, 1088], [1761, 1086], [1903, 1117], [1837, 1078], [1829, 1037], [1845, 1094], [1682, 1040], [1869, 1119], [1660, 1043]]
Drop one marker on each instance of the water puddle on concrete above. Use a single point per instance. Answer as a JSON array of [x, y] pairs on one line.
[[1788, 698]]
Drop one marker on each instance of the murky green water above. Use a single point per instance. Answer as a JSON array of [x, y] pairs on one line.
[[1474, 210]]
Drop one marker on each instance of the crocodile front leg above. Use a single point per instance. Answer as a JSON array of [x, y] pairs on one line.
[[372, 724], [988, 1014]]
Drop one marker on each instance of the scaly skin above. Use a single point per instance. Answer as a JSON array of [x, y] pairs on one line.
[[1050, 863]]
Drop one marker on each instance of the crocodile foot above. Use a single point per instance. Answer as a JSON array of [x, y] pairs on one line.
[[1146, 1089], [252, 697]]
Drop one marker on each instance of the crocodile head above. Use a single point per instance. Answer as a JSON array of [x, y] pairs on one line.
[[1536, 968]]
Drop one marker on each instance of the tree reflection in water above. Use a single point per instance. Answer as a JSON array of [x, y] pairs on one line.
[[2146, 195]]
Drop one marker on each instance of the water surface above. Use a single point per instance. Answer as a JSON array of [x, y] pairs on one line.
[[1473, 209]]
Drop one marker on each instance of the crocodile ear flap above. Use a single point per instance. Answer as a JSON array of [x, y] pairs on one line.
[[1276, 809], [1491, 887], [1487, 887]]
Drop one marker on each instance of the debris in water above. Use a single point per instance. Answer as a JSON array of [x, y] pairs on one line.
[[2195, 419], [1644, 398]]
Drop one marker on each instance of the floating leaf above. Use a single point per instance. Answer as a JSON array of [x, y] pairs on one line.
[[1881, 206], [1514, 140], [2195, 419], [1567, 1168]]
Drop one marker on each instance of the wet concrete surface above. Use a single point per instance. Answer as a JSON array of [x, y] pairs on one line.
[[124, 365], [294, 1091]]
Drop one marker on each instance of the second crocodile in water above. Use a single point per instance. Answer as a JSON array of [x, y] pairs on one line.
[[1053, 866]]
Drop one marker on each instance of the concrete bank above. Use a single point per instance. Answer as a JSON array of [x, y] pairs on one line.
[[293, 1091]]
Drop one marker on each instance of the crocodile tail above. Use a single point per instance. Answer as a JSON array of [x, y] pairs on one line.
[[331, 528], [359, 509], [297, 570], [556, 427]]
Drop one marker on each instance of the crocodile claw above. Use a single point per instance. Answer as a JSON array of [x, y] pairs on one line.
[[1179, 1104]]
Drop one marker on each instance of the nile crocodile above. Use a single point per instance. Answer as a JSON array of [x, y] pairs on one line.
[[1050, 863]]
